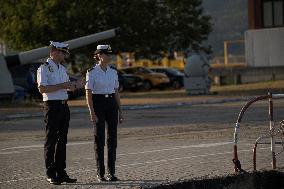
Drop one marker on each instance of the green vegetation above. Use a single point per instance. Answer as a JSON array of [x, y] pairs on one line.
[[251, 88], [147, 27]]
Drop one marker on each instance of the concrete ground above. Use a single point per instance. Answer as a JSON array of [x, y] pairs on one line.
[[155, 145]]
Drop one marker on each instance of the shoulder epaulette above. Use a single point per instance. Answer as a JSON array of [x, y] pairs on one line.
[[62, 65], [113, 68], [90, 69]]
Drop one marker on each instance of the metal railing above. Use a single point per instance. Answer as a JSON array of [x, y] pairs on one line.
[[273, 132]]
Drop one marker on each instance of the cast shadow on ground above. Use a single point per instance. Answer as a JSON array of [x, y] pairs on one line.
[[122, 183]]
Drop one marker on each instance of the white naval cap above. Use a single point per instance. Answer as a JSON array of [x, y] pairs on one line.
[[106, 49], [60, 46]]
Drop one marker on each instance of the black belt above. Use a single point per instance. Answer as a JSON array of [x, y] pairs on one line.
[[103, 95], [55, 102]]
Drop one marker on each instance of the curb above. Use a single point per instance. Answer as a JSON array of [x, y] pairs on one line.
[[127, 107]]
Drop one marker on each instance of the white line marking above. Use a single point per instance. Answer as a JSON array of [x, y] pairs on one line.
[[12, 152], [21, 149], [41, 145], [206, 145], [189, 157]]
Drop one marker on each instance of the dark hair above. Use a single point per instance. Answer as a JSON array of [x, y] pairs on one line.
[[52, 48], [96, 57]]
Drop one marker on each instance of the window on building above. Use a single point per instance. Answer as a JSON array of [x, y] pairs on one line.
[[278, 13], [272, 13]]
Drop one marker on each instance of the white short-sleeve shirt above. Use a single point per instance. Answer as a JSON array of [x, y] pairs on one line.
[[102, 82], [51, 73]]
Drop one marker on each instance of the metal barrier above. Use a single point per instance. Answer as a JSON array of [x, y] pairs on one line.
[[272, 132]]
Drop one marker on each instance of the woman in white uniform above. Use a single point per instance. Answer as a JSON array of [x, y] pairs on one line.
[[104, 105]]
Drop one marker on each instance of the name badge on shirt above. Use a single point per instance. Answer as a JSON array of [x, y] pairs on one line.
[[50, 69]]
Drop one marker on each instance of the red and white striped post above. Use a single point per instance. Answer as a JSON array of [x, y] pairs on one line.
[[272, 131]]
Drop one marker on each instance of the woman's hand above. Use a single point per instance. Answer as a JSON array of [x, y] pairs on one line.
[[120, 117]]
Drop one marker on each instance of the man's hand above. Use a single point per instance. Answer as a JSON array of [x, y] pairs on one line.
[[80, 83], [94, 118], [71, 85]]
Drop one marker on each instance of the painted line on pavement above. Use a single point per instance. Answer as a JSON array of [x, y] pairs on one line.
[[21, 149], [206, 145]]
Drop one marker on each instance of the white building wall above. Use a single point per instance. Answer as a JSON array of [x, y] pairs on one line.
[[265, 47]]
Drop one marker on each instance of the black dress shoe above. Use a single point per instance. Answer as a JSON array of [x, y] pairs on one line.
[[111, 178], [53, 180], [101, 178], [66, 179]]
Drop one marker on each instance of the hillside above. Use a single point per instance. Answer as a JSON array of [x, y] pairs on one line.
[[229, 19]]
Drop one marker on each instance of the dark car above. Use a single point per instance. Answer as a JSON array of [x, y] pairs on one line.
[[175, 76], [20, 74], [25, 76], [129, 81]]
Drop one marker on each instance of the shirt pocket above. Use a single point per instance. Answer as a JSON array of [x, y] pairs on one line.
[[100, 83], [52, 79]]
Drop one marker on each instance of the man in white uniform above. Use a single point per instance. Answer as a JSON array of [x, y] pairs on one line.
[[53, 83]]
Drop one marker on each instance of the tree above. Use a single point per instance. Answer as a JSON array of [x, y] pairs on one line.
[[147, 27], [189, 24]]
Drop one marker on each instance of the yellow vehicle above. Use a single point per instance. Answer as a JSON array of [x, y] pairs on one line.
[[151, 79], [127, 59]]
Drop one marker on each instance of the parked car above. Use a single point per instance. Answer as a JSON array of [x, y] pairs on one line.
[[129, 81], [20, 75], [20, 93], [151, 79], [175, 76]]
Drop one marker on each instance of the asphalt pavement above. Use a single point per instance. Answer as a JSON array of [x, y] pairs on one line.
[[156, 144]]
